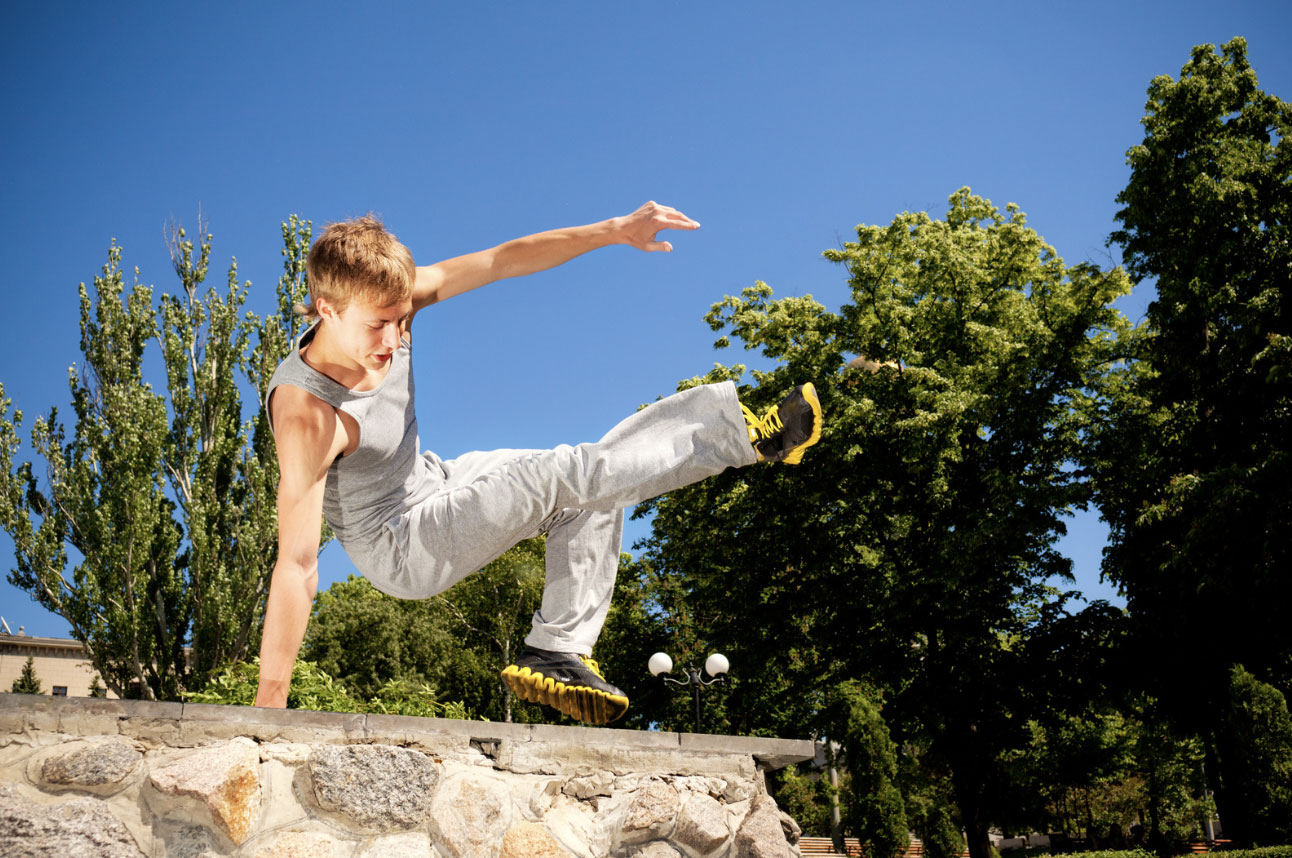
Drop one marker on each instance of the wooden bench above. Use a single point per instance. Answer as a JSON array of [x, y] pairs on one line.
[[823, 847]]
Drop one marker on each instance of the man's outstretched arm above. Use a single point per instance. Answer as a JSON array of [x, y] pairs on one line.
[[307, 436], [544, 250]]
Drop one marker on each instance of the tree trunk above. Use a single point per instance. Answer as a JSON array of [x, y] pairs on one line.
[[972, 814]]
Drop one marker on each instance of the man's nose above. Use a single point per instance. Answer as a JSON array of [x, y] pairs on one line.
[[390, 337]]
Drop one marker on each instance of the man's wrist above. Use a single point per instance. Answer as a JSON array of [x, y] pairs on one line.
[[272, 694]]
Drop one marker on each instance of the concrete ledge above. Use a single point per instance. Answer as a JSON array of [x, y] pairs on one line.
[[192, 724]]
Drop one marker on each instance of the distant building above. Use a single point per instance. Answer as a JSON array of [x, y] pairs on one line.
[[61, 664]]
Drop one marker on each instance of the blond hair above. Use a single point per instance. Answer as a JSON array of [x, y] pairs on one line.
[[358, 258]]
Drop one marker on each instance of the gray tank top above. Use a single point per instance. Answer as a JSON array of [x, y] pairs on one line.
[[385, 475]]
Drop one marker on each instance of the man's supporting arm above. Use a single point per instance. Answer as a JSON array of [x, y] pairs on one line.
[[308, 438], [544, 250]]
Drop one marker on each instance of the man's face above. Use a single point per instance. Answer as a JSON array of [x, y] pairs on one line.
[[368, 334]]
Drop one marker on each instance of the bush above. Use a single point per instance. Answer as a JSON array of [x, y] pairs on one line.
[[315, 690], [806, 799]]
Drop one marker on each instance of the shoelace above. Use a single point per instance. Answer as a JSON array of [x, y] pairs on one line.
[[762, 427], [593, 666]]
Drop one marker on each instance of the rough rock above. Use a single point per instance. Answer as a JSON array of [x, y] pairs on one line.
[[702, 825], [651, 812], [791, 828], [654, 849], [185, 840], [81, 828], [761, 834], [93, 765], [298, 844], [530, 840], [410, 844], [590, 785], [472, 813], [226, 778], [379, 787], [577, 828]]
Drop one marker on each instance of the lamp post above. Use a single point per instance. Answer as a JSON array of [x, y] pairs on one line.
[[715, 665]]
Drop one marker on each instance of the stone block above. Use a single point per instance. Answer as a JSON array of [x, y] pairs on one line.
[[771, 753], [471, 812], [761, 834], [410, 844], [23, 713], [701, 826], [225, 779], [542, 757], [654, 849], [81, 828], [651, 813], [301, 844], [561, 734], [102, 767], [443, 737], [529, 840], [97, 716], [204, 722], [377, 787]]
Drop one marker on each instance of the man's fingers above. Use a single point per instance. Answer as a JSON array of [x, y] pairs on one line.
[[664, 246], [667, 216]]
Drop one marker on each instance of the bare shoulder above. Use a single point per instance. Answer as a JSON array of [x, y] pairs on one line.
[[306, 429]]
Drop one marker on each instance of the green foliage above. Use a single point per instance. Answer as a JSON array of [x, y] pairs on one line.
[[1255, 744], [313, 689], [807, 799], [456, 643], [27, 682], [96, 688], [166, 498], [913, 547], [873, 809], [1190, 457], [1097, 774]]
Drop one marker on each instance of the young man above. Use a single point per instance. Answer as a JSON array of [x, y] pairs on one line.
[[341, 406]]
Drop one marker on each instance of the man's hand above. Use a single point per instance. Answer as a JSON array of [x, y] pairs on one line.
[[640, 228]]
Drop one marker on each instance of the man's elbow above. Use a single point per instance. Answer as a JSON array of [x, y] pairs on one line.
[[298, 573]]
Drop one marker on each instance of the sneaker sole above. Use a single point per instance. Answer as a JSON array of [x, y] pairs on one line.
[[794, 456], [577, 701]]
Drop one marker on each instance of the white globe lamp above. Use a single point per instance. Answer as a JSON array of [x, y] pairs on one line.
[[659, 663]]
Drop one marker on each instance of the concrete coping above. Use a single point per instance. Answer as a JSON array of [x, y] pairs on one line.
[[89, 716]]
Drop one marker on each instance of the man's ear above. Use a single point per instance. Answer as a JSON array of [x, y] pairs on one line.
[[326, 309]]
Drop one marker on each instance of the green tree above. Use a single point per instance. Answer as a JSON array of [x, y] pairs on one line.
[[456, 643], [1255, 751], [873, 809], [97, 688], [27, 682], [1191, 463], [167, 499], [913, 547]]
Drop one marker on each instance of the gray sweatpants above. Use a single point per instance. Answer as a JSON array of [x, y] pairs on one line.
[[490, 501]]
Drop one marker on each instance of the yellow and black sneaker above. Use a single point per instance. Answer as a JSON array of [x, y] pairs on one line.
[[568, 682], [785, 431]]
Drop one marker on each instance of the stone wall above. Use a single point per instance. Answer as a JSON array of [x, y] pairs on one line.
[[84, 777]]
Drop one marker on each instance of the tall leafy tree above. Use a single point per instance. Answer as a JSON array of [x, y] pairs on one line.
[[914, 545], [165, 498], [1192, 463]]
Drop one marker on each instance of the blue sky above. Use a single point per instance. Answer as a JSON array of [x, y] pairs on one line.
[[779, 126]]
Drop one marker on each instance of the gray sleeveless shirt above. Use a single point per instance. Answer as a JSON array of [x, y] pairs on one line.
[[385, 476]]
